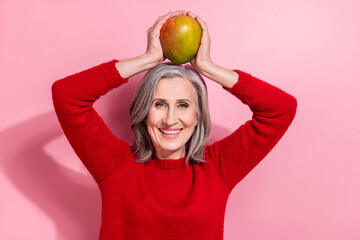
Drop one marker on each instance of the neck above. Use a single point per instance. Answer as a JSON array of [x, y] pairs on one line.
[[161, 154]]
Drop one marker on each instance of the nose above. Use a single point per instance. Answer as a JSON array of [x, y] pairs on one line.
[[171, 117]]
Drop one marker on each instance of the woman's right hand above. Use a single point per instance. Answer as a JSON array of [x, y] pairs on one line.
[[154, 50], [154, 54]]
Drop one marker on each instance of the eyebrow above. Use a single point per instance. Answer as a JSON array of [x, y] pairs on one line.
[[178, 100]]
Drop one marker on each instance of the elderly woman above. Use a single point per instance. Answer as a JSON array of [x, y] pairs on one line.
[[169, 184]]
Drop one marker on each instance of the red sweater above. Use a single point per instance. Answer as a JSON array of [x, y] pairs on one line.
[[163, 199]]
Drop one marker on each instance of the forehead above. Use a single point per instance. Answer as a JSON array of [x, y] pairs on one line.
[[175, 88]]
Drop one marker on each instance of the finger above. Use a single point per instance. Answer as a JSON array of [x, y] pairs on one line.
[[162, 17], [179, 13], [158, 25], [157, 21], [205, 38], [189, 13], [202, 24]]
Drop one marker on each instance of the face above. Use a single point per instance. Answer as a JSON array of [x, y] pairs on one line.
[[172, 117]]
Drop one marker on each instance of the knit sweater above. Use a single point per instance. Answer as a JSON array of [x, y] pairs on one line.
[[164, 199]]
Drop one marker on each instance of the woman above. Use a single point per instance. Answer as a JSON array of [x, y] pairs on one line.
[[169, 184]]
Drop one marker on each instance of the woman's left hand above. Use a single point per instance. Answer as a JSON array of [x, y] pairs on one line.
[[203, 63], [202, 60]]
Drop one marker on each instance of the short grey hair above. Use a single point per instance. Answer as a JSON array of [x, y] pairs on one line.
[[141, 104]]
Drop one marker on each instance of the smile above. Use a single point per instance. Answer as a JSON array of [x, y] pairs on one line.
[[170, 132]]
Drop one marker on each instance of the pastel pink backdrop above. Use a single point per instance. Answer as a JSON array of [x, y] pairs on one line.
[[306, 188]]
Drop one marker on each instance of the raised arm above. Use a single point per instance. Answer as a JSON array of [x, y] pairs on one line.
[[273, 111], [73, 97]]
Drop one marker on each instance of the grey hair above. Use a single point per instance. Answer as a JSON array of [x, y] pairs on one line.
[[141, 104]]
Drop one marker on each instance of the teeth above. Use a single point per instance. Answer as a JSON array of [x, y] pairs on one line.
[[169, 132]]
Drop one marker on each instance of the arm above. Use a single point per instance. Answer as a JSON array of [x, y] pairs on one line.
[[73, 97], [93, 142], [273, 111]]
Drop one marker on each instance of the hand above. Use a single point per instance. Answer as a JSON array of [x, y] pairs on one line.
[[154, 50], [154, 54], [202, 61]]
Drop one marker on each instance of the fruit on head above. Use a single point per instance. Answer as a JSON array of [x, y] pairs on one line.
[[180, 38]]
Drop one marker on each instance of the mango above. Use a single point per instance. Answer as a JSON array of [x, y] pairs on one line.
[[180, 38]]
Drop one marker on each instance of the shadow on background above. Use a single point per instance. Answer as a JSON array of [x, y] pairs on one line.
[[73, 207], [65, 196]]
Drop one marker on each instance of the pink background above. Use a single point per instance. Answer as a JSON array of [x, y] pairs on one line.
[[308, 187]]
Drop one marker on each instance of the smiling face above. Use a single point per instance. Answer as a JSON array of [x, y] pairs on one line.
[[172, 117]]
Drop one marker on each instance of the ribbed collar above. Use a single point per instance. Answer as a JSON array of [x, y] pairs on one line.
[[167, 164]]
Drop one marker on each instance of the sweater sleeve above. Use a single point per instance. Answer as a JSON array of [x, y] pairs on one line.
[[273, 111], [73, 98]]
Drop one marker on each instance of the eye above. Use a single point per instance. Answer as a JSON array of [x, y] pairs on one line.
[[159, 104], [183, 105]]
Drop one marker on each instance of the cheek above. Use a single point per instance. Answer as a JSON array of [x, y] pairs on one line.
[[190, 119], [152, 118]]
